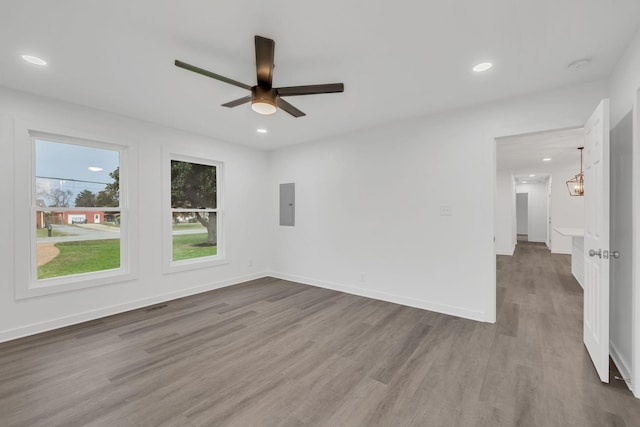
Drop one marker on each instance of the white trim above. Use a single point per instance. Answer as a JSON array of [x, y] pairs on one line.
[[635, 274], [508, 253], [555, 251], [168, 264], [491, 298], [505, 253], [26, 283], [384, 296], [621, 364], [61, 322]]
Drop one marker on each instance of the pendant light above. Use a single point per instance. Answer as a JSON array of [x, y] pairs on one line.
[[576, 184]]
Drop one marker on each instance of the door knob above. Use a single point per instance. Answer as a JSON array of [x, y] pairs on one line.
[[615, 254], [593, 253]]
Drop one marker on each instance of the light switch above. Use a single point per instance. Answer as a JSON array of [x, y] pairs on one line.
[[446, 211]]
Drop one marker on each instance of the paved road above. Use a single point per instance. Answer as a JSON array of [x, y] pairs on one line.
[[78, 233]]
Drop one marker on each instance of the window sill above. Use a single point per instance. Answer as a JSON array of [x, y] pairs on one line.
[[193, 264], [72, 283]]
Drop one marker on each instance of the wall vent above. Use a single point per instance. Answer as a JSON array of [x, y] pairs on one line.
[[156, 307]]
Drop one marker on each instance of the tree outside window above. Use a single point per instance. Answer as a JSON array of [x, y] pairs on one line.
[[194, 210]]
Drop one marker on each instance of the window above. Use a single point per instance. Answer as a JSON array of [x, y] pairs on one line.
[[195, 217], [78, 221]]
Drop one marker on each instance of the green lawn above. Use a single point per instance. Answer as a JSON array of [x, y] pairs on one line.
[[185, 246], [82, 257], [97, 255]]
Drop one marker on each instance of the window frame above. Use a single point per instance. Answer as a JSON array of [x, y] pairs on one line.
[[27, 284], [169, 265]]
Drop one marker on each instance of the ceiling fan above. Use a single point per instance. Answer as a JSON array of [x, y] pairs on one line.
[[264, 98]]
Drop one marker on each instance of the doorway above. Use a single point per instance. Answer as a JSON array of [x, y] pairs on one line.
[[538, 164], [522, 216]]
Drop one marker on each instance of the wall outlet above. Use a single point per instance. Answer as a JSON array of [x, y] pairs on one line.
[[446, 210], [250, 264], [363, 277]]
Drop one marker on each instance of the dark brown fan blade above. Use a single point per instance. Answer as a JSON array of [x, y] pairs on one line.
[[310, 90], [265, 49], [210, 74], [284, 105], [237, 102]]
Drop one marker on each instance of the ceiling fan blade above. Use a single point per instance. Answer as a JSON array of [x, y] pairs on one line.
[[210, 74], [237, 102], [265, 49], [284, 105], [310, 90]]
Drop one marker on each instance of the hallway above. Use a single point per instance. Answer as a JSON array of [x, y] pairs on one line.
[[539, 342]]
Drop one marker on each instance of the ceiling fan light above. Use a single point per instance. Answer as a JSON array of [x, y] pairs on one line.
[[262, 107], [263, 100]]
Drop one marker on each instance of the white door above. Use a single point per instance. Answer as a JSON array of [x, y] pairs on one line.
[[596, 239]]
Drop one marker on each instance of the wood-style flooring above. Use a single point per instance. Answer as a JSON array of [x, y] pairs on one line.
[[275, 353]]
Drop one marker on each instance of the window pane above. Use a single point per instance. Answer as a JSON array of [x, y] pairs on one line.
[[76, 242], [195, 235], [193, 185], [70, 175]]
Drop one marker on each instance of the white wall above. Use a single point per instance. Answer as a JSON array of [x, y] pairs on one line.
[[624, 85], [245, 222], [505, 211], [625, 82], [537, 213], [369, 201], [566, 210]]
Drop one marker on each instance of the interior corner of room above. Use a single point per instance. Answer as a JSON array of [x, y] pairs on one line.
[[412, 183]]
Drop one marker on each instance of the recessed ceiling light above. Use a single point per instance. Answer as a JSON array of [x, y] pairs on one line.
[[531, 176], [484, 66], [34, 60], [95, 168], [546, 159], [261, 130], [525, 182]]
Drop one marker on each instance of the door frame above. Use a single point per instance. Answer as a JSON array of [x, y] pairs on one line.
[[491, 300], [635, 226], [549, 183]]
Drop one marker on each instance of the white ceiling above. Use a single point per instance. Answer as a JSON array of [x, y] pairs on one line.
[[397, 59], [522, 155]]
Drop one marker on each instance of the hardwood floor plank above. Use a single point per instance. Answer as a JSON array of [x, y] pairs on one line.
[[271, 352]]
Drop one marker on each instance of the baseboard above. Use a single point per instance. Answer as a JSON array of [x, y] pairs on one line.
[[36, 328], [621, 364], [501, 252], [507, 253], [553, 251], [383, 296]]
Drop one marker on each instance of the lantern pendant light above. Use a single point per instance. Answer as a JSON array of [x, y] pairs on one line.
[[576, 184]]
